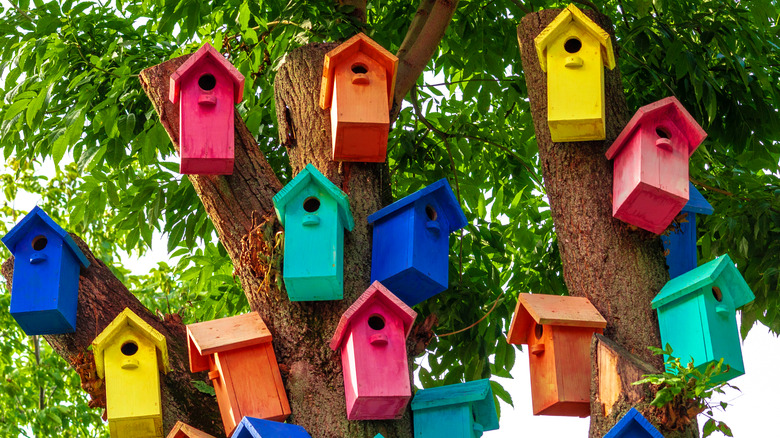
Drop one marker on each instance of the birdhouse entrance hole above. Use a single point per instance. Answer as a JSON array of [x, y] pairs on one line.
[[359, 68], [572, 45], [431, 212], [39, 243], [376, 322], [207, 82], [539, 331], [662, 132], [717, 293], [129, 348], [311, 204]]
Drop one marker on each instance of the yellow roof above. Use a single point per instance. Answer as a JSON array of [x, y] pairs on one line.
[[124, 319], [561, 23]]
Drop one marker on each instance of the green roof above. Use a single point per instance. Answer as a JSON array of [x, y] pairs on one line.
[[310, 175]]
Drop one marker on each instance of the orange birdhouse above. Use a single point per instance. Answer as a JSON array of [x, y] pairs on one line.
[[242, 366], [358, 79], [557, 331], [183, 430]]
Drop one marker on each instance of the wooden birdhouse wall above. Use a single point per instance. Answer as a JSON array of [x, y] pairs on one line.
[[453, 421]]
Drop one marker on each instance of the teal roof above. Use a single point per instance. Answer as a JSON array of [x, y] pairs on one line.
[[18, 232], [310, 175], [696, 202], [477, 393]]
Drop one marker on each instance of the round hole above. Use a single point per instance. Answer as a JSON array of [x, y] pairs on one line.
[[539, 331], [39, 243], [376, 322], [207, 82], [311, 204], [129, 348], [431, 212], [662, 132], [359, 68], [572, 45], [717, 293]]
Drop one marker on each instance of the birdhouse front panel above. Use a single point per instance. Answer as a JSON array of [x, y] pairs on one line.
[[633, 425], [448, 421], [183, 430]]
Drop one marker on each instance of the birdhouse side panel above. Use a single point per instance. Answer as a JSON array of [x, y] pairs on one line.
[[132, 377], [256, 383], [573, 368], [721, 324], [541, 358], [449, 421], [226, 400], [627, 173], [681, 325], [680, 246], [391, 252], [68, 297]]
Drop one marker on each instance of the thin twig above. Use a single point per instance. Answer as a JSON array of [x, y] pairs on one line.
[[521, 6], [495, 303], [588, 4], [468, 80], [509, 151], [269, 27]]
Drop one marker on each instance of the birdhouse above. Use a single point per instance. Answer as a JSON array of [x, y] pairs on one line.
[[358, 78], [633, 425], [650, 181], [697, 315], [680, 243], [128, 354], [206, 87], [411, 245], [314, 213], [463, 410], [557, 330], [256, 428], [242, 366], [372, 337], [573, 51], [45, 285], [183, 430]]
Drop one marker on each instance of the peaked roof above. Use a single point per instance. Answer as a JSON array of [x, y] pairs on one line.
[[374, 292], [310, 175], [478, 393], [207, 338], [552, 310], [370, 48], [21, 229], [633, 418], [696, 202], [201, 55], [705, 275], [183, 430], [561, 23], [125, 319], [250, 427], [668, 108], [441, 192]]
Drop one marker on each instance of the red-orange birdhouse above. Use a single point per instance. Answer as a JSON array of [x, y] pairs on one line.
[[358, 79], [557, 331], [238, 354], [183, 430]]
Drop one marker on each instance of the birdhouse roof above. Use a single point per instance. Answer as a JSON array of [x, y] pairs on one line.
[[633, 417], [567, 17], [204, 53], [477, 393], [310, 175], [552, 310], [374, 292], [696, 202], [122, 321], [207, 338], [21, 229], [705, 275], [358, 43], [665, 109], [250, 427], [183, 430], [439, 191]]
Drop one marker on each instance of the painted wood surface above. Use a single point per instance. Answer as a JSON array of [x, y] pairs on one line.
[[680, 243], [228, 333], [258, 428], [462, 410], [410, 252], [45, 285], [633, 425], [532, 309], [183, 430], [616, 370]]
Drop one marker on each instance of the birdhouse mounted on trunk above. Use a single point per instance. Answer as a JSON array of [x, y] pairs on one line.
[[183, 430], [557, 330], [633, 425], [206, 87], [372, 337], [242, 366], [573, 51], [680, 243], [45, 285], [462, 410], [650, 182], [256, 428], [697, 315], [358, 78]]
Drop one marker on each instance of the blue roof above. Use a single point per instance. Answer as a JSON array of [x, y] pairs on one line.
[[631, 424], [477, 392], [310, 175], [18, 232], [445, 198], [256, 428], [696, 202]]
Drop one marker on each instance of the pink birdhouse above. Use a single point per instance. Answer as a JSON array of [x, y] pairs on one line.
[[372, 337], [206, 87], [650, 182]]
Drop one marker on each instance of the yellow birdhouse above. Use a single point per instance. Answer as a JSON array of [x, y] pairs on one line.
[[128, 354], [573, 50]]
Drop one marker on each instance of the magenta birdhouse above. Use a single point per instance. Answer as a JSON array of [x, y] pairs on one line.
[[206, 87], [372, 337], [650, 182]]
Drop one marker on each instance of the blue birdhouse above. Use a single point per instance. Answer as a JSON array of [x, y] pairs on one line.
[[680, 244], [45, 288], [411, 242], [697, 315], [314, 213], [463, 410], [256, 428], [633, 425]]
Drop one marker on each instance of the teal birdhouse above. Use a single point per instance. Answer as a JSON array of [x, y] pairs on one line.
[[697, 315], [463, 410], [314, 213]]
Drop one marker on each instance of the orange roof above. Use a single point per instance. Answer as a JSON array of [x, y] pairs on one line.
[[206, 52], [183, 430], [552, 310], [207, 338]]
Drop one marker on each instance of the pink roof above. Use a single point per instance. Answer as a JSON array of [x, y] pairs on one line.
[[203, 53], [374, 292]]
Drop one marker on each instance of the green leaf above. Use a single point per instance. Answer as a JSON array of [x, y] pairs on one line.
[[15, 108], [72, 133], [203, 387], [34, 108]]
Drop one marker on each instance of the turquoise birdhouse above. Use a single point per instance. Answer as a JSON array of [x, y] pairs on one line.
[[462, 410], [680, 244], [697, 315], [314, 213], [633, 425]]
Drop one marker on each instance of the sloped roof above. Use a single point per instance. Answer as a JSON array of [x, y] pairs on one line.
[[370, 48], [183, 430], [478, 393], [207, 338], [696, 202], [552, 310], [624, 429], [201, 55], [445, 198], [125, 319], [310, 175], [572, 15], [374, 292], [21, 229], [250, 427]]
